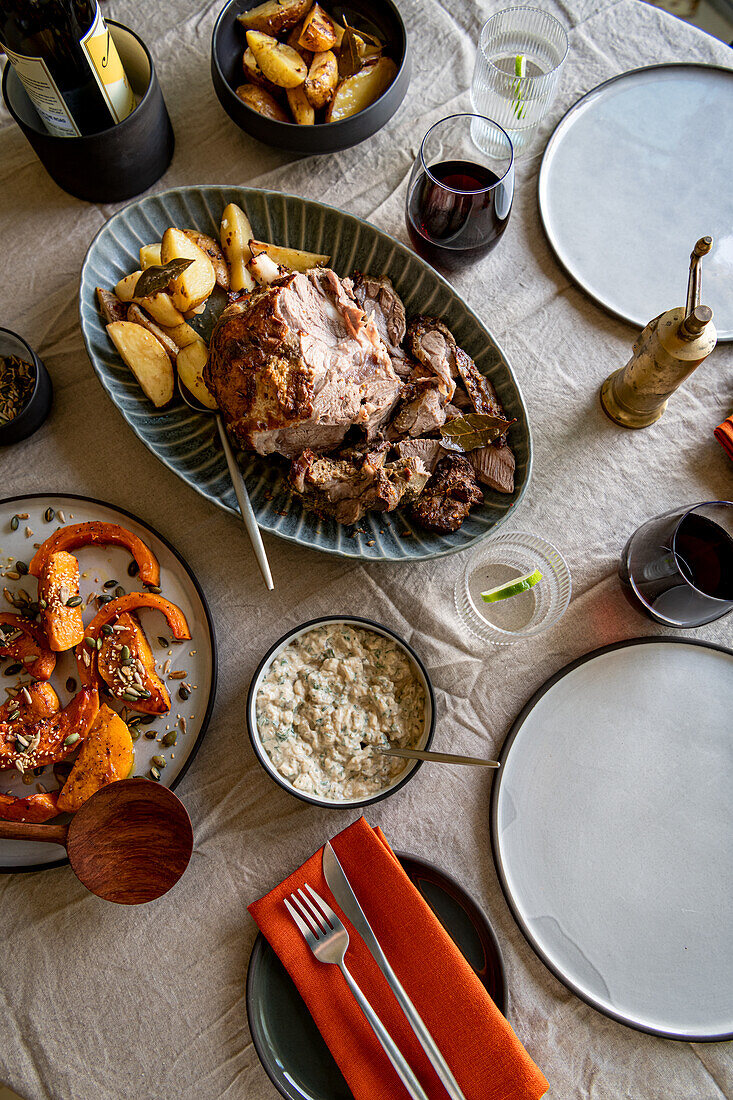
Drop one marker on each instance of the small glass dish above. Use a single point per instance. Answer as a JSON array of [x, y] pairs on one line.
[[504, 558], [38, 402]]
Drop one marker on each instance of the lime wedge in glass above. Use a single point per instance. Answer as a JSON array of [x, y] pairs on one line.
[[512, 588], [520, 65]]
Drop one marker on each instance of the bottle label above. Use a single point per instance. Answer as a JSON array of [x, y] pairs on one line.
[[107, 68], [43, 93]]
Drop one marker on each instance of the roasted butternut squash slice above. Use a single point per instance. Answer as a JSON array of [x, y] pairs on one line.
[[106, 756], [24, 641], [76, 535], [126, 664], [36, 808], [37, 733], [58, 595]]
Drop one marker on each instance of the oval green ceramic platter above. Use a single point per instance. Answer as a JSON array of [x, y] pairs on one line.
[[186, 441]]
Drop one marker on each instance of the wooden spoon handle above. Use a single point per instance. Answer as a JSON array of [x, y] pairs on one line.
[[25, 830]]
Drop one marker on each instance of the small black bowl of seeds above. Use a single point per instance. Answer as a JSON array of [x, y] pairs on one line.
[[26, 391]]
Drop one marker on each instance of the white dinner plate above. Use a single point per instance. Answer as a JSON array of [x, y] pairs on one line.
[[635, 173], [97, 565], [613, 834]]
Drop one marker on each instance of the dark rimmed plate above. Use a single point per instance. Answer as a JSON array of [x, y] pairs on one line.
[[178, 583], [186, 442], [611, 833], [288, 1043]]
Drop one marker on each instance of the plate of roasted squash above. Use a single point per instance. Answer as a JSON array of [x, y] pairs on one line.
[[279, 234], [108, 660]]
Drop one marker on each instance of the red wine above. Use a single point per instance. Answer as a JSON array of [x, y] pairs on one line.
[[69, 66], [672, 566], [457, 220]]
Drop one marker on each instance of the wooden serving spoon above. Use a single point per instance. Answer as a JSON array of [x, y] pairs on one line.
[[130, 842]]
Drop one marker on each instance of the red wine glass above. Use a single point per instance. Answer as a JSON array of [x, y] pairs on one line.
[[678, 567], [460, 192]]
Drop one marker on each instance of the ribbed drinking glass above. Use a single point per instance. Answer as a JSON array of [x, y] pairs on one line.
[[519, 59]]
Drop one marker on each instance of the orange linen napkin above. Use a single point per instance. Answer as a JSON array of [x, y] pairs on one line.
[[483, 1052], [724, 435]]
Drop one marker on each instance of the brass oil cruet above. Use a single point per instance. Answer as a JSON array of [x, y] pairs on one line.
[[667, 351]]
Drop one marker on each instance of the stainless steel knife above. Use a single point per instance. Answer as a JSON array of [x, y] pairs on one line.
[[341, 889]]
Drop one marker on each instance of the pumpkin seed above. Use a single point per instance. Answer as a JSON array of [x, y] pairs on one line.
[[21, 567], [109, 584], [162, 641], [102, 600], [125, 653], [15, 523], [71, 739], [133, 569], [13, 669], [131, 698], [119, 591], [74, 601], [154, 774], [24, 596], [153, 587], [134, 733], [147, 719], [49, 515], [71, 684], [107, 629], [42, 603], [183, 692], [160, 761], [90, 642], [150, 735], [170, 738], [28, 779], [98, 643]]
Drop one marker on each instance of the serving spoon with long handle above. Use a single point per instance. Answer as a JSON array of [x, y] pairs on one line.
[[130, 842], [438, 757], [240, 488]]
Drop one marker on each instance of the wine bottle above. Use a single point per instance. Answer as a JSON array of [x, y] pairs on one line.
[[64, 55]]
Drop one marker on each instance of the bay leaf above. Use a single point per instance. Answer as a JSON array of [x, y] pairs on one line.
[[349, 61], [468, 433], [158, 276]]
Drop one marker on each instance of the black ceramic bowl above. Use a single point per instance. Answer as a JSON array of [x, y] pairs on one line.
[[119, 162], [228, 45], [266, 762], [38, 404]]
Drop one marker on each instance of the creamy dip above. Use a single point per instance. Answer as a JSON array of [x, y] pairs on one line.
[[327, 698]]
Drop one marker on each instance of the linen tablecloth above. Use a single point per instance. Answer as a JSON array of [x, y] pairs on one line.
[[98, 1001]]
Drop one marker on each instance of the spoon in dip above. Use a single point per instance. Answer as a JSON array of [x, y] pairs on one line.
[[130, 842], [438, 757], [240, 489]]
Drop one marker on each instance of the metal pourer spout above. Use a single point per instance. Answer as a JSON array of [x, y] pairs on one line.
[[694, 282]]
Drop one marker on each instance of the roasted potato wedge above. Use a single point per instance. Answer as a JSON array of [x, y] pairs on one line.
[[264, 269], [323, 76], [275, 16], [125, 289], [294, 259], [190, 363], [303, 112], [145, 357], [196, 283], [110, 306], [235, 235], [262, 102], [150, 255], [319, 32], [181, 335], [361, 90], [280, 63], [292, 40], [212, 249], [138, 317], [254, 74], [161, 309]]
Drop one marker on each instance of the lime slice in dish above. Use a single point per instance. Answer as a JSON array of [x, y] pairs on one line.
[[512, 588]]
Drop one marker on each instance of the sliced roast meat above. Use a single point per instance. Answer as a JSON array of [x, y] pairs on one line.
[[449, 496], [295, 364], [380, 301], [494, 467], [434, 347], [423, 414], [429, 451], [480, 390], [344, 489]]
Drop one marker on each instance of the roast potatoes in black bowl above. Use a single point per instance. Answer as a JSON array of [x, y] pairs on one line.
[[383, 27]]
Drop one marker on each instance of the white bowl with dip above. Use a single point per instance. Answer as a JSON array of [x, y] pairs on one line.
[[316, 711]]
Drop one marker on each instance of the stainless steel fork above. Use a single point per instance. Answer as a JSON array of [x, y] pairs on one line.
[[328, 939]]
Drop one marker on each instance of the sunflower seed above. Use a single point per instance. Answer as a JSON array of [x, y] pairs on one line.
[[154, 774], [26, 695], [22, 741], [60, 516], [180, 675], [98, 643], [12, 575], [24, 596]]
